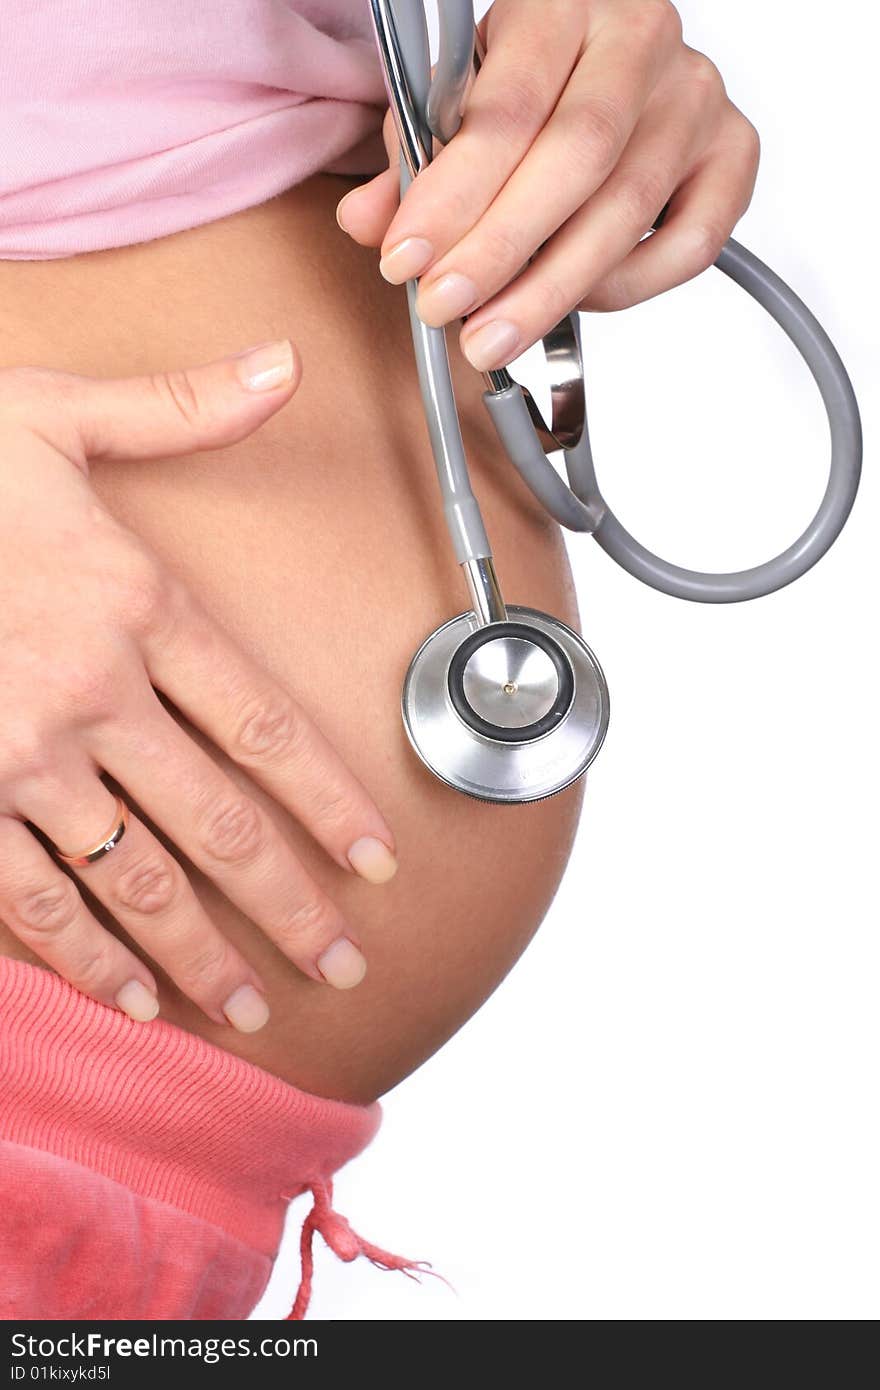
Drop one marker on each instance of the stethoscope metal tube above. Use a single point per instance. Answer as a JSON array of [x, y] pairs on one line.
[[473, 688]]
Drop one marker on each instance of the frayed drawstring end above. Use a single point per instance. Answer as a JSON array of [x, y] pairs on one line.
[[345, 1243]]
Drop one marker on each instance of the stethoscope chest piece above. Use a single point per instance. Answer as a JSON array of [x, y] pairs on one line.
[[507, 711]]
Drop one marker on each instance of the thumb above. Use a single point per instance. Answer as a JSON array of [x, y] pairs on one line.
[[366, 212], [174, 412]]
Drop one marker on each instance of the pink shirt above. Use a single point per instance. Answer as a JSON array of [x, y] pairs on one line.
[[124, 120]]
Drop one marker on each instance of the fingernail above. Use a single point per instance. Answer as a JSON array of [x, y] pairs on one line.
[[246, 1009], [493, 345], [138, 1002], [372, 859], [342, 964], [340, 213], [406, 260], [265, 367], [448, 298]]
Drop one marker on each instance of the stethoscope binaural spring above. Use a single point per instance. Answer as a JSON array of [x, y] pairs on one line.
[[508, 704]]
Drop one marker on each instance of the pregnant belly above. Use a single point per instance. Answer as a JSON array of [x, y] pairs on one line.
[[320, 545]]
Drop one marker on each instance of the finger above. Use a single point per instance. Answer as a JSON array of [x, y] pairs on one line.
[[227, 695], [150, 897], [510, 101], [597, 238], [571, 158], [702, 214], [365, 212], [43, 908], [233, 841], [557, 168], [160, 415]]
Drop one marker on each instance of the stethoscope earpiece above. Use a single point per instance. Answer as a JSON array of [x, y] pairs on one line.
[[510, 711]]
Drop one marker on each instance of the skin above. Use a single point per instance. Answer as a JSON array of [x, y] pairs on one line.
[[279, 540], [199, 571], [567, 153], [97, 708]]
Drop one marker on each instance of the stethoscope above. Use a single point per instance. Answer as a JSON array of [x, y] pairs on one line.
[[504, 703]]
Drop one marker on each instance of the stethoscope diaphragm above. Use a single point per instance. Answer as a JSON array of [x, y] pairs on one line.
[[509, 711]]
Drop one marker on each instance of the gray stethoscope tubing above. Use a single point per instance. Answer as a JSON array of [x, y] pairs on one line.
[[580, 505]]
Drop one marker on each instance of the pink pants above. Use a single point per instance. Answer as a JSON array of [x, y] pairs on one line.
[[145, 1173]]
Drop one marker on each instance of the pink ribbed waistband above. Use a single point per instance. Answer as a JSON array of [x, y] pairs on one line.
[[162, 1111]]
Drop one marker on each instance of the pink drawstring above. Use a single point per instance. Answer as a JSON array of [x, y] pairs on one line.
[[344, 1242]]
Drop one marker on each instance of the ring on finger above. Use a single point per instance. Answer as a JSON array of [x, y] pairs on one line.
[[104, 845]]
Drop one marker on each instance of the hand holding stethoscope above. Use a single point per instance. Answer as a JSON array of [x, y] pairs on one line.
[[509, 704], [587, 118]]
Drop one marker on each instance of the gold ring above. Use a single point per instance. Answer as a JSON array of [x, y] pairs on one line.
[[105, 844]]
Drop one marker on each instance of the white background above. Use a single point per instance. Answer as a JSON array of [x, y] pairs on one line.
[[669, 1110]]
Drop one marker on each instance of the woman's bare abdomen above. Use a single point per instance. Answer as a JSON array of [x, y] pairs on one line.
[[320, 545]]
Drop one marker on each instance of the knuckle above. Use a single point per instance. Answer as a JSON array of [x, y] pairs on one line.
[[233, 831], [334, 808], [91, 970], [656, 19], [749, 138], [204, 967], [553, 299], [90, 688], [503, 249], [149, 885], [600, 136], [25, 753], [458, 204], [144, 595], [311, 917], [612, 293], [702, 73], [268, 729], [176, 389], [641, 195], [704, 242], [48, 909], [522, 107]]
